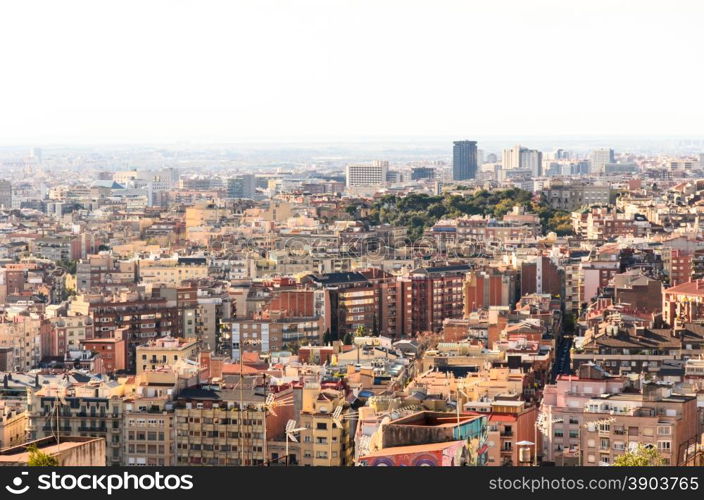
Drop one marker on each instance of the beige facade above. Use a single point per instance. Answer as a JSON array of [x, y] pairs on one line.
[[169, 272], [165, 351], [220, 435], [13, 425], [84, 411], [324, 442]]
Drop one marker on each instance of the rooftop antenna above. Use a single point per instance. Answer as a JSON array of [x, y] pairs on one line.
[[291, 431]]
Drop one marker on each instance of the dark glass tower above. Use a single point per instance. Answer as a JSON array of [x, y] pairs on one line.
[[464, 160]]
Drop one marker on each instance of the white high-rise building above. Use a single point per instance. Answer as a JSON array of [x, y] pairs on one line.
[[600, 158], [522, 158], [366, 174]]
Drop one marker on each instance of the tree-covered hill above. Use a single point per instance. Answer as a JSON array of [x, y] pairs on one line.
[[417, 212]]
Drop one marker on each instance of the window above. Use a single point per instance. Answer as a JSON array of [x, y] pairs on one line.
[[664, 445]]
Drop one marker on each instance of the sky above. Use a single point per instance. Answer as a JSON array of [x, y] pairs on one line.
[[204, 70]]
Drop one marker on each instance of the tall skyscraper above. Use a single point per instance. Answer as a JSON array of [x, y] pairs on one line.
[[5, 194], [464, 160], [600, 157]]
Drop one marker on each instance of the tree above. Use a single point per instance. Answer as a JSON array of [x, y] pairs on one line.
[[69, 264], [38, 458], [642, 456], [360, 331]]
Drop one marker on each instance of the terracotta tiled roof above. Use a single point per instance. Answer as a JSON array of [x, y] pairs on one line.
[[689, 288]]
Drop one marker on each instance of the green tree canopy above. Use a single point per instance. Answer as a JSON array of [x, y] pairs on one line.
[[38, 458], [642, 456], [417, 212]]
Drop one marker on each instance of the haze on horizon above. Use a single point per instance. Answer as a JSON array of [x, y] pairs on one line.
[[79, 71]]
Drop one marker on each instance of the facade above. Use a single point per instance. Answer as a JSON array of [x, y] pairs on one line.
[[430, 295], [683, 303], [520, 158], [464, 160], [489, 288], [572, 196], [113, 353], [165, 351], [242, 186], [541, 276], [5, 194], [272, 335], [81, 412], [326, 441], [13, 425], [365, 175], [600, 158]]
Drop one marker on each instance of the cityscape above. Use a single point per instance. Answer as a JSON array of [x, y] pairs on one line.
[[331, 233], [456, 307]]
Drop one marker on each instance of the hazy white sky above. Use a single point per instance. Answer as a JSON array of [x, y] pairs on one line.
[[147, 70]]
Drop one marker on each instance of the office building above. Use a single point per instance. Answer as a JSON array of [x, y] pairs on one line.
[[520, 158], [420, 173], [366, 174], [600, 158], [5, 194], [242, 186], [464, 160]]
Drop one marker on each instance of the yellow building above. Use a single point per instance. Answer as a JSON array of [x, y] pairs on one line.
[[201, 214], [13, 425], [327, 440], [165, 351], [170, 272]]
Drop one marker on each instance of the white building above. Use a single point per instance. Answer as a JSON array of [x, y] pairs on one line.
[[370, 174]]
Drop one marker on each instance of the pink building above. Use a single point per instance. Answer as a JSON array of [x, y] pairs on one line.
[[564, 401]]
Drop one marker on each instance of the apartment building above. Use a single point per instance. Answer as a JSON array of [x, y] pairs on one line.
[[365, 175], [165, 351], [90, 410], [149, 429], [172, 272], [350, 302], [112, 352], [138, 317], [212, 430], [66, 333], [327, 439], [267, 335], [13, 424], [21, 336], [104, 271], [492, 287], [573, 196], [428, 296], [655, 417], [563, 409], [683, 302]]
